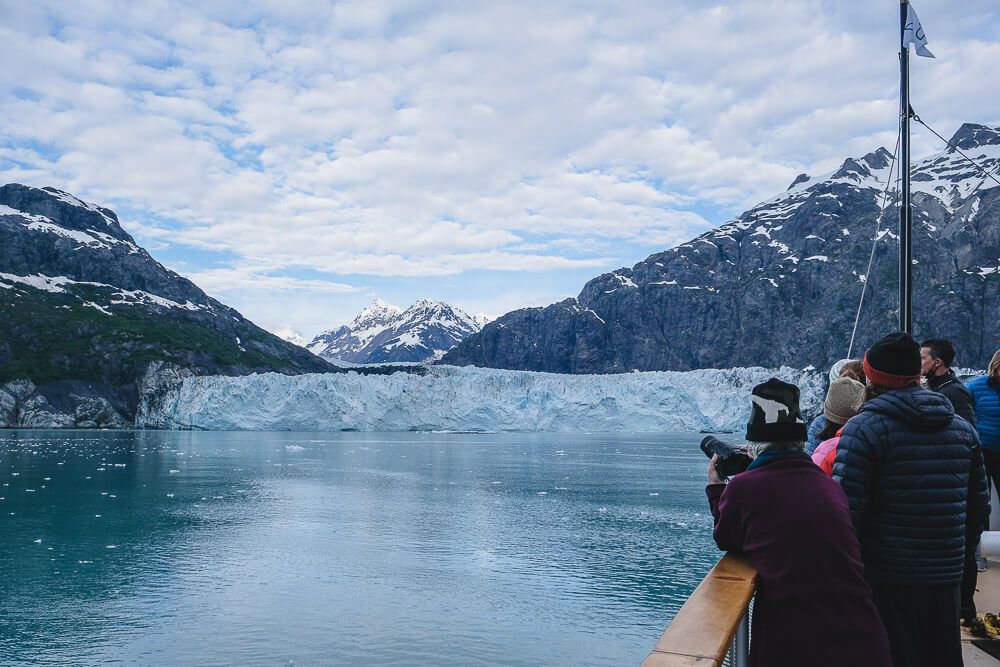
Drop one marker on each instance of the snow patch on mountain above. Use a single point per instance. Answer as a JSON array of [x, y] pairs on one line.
[[91, 237], [449, 398], [63, 285], [79, 203]]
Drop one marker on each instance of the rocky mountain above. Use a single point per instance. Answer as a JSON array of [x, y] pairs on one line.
[[87, 317], [780, 284], [384, 333]]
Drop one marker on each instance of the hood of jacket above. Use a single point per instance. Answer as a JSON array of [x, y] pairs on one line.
[[922, 408]]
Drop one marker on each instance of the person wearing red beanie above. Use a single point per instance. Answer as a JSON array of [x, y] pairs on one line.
[[913, 474]]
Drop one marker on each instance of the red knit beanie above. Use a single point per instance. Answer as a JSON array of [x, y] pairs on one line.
[[893, 361]]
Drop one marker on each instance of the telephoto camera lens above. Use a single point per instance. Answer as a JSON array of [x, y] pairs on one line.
[[732, 459]]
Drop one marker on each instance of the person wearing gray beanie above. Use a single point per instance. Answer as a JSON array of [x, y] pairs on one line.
[[842, 367], [843, 401]]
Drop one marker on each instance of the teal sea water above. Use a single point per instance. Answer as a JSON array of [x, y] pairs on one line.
[[178, 548]]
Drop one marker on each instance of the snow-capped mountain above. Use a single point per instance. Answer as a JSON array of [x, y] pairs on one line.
[[384, 333], [780, 284], [85, 312]]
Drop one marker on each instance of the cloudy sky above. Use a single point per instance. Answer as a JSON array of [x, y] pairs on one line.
[[298, 158]]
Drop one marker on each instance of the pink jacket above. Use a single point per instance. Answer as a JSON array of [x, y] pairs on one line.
[[826, 453]]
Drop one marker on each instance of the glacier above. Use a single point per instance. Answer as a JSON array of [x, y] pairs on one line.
[[452, 398]]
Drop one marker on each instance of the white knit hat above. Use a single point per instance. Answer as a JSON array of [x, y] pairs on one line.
[[837, 368]]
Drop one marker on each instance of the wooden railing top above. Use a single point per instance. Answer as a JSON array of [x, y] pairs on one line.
[[703, 629]]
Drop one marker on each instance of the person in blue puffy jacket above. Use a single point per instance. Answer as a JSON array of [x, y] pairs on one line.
[[985, 391], [913, 474]]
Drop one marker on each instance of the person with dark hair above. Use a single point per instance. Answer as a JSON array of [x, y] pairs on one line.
[[855, 370], [813, 605], [913, 474], [936, 357]]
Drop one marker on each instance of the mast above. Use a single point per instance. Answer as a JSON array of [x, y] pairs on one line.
[[905, 212]]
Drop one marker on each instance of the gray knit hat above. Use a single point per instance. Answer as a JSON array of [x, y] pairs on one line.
[[843, 400]]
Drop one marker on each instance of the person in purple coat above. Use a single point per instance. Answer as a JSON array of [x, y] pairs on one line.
[[813, 605]]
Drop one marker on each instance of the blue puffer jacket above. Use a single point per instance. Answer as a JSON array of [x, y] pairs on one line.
[[812, 437], [915, 482], [987, 402]]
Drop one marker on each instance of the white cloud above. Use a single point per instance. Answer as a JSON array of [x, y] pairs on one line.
[[233, 279], [413, 139]]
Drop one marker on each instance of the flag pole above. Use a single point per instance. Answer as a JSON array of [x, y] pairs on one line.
[[905, 212]]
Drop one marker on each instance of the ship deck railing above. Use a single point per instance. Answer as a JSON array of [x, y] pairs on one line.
[[712, 629]]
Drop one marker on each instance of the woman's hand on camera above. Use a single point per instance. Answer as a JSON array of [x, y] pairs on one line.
[[713, 474]]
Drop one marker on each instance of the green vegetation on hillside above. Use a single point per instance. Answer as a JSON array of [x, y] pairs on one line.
[[47, 337]]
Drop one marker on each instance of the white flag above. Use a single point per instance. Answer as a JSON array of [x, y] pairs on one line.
[[914, 34]]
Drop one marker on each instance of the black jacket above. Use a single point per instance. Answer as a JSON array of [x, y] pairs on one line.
[[915, 482], [959, 395]]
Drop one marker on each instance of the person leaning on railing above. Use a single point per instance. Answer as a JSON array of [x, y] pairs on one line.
[[813, 606]]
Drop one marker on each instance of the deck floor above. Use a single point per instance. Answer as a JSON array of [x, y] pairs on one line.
[[987, 599]]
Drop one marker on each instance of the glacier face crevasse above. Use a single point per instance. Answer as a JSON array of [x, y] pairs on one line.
[[449, 398]]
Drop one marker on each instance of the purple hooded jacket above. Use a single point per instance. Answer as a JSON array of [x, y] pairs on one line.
[[813, 605]]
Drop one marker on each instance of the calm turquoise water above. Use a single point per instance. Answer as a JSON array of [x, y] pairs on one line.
[[342, 549]]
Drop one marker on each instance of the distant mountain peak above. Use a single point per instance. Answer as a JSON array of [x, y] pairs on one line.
[[973, 135], [799, 180], [383, 332], [291, 335], [67, 209], [378, 308]]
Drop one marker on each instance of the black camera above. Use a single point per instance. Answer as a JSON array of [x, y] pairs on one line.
[[732, 459]]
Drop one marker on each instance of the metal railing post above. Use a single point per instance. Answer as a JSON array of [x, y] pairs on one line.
[[742, 643]]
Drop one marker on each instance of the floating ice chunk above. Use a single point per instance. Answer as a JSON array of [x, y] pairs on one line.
[[294, 448]]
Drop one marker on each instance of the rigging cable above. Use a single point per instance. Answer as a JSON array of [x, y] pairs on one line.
[[981, 168], [878, 222], [871, 257]]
